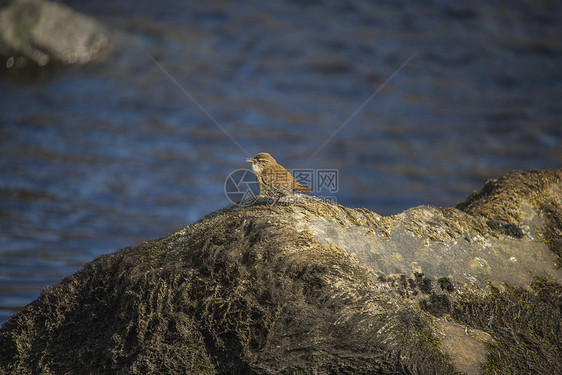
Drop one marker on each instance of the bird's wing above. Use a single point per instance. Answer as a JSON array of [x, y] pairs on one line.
[[278, 179]]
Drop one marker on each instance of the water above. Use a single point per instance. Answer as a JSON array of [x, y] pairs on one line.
[[96, 158]]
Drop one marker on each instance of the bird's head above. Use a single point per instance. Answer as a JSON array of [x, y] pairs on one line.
[[261, 160]]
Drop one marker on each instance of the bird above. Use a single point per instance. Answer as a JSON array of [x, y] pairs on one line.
[[273, 179]]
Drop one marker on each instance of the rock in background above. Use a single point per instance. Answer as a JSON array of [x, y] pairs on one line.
[[313, 287], [45, 32]]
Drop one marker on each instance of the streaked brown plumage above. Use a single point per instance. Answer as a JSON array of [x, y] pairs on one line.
[[274, 180]]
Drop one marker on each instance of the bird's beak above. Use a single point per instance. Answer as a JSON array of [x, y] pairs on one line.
[[250, 160]]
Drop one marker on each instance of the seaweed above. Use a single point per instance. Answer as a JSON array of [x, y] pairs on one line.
[[526, 325], [249, 290]]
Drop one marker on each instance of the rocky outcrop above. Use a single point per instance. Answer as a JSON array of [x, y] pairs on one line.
[[43, 32], [313, 287], [500, 234]]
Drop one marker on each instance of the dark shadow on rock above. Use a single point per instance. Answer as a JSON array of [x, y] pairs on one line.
[[313, 287]]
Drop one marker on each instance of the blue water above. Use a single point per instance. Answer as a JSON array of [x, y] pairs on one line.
[[96, 158]]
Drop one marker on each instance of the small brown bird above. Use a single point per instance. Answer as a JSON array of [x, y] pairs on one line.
[[274, 180]]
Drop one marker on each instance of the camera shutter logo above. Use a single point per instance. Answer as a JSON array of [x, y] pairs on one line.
[[241, 185]]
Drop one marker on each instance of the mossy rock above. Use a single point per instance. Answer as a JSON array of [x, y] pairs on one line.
[[313, 287]]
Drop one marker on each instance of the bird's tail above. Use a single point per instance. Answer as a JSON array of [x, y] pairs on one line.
[[302, 189]]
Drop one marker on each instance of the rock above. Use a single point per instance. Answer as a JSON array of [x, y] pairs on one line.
[[45, 32], [317, 288], [498, 235]]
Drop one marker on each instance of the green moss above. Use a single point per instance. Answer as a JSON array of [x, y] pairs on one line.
[[525, 324], [419, 337], [552, 232]]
